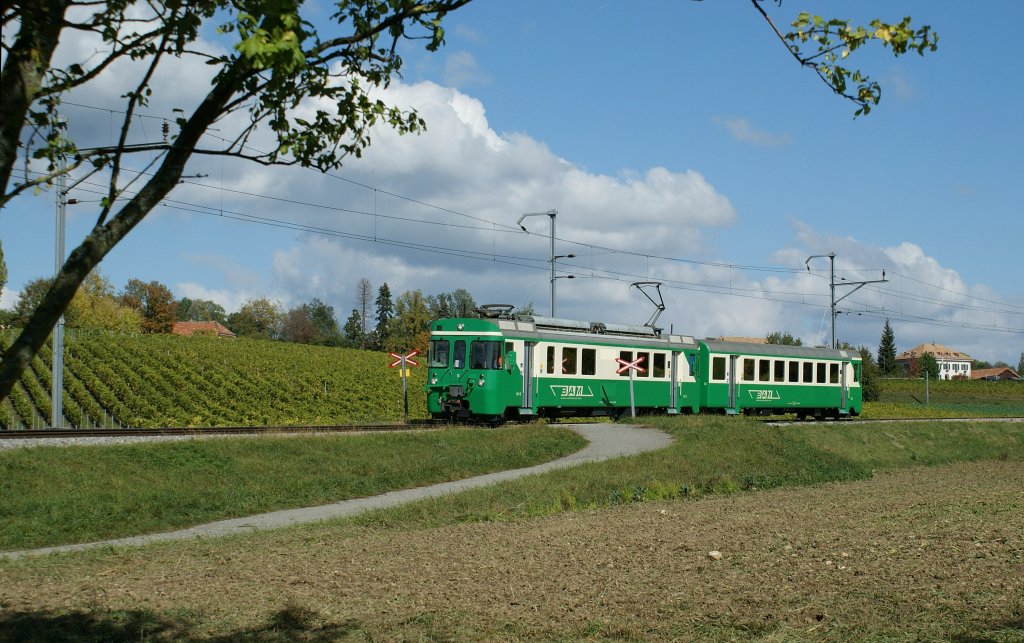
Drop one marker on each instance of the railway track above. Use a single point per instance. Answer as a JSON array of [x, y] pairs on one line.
[[219, 430]]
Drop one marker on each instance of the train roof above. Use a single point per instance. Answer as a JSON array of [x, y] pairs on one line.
[[566, 330], [779, 350]]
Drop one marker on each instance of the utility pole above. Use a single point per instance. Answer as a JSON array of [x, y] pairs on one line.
[[552, 214], [57, 377], [857, 285]]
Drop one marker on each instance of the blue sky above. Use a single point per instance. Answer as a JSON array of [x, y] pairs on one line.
[[678, 141]]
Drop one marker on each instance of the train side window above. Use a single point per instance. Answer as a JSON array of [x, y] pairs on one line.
[[833, 373], [459, 357], [659, 365], [627, 356], [589, 359], [748, 370], [808, 373], [821, 373], [856, 373], [551, 360], [794, 371], [780, 370], [718, 369], [439, 353], [692, 360], [568, 361], [764, 370], [645, 364]]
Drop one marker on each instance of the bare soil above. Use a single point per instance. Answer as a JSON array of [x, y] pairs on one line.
[[925, 553]]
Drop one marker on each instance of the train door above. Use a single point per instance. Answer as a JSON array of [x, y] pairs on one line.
[[844, 399], [526, 407], [732, 384], [673, 403]]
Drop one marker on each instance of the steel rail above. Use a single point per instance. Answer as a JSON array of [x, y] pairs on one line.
[[216, 430]]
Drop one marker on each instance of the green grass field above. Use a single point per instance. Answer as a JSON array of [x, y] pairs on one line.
[[61, 495], [56, 495], [720, 455]]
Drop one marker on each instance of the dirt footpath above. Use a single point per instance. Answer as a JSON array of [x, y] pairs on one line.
[[928, 553]]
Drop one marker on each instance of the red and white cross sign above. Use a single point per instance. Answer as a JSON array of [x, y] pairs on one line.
[[404, 359], [634, 365]]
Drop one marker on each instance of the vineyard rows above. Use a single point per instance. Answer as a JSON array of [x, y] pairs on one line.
[[172, 381]]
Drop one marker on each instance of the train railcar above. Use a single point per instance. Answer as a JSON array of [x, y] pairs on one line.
[[505, 367], [496, 369], [766, 379]]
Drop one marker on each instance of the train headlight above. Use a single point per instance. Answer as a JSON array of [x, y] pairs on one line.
[[480, 382], [433, 380]]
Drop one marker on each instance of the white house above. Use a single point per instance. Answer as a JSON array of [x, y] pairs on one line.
[[952, 364]]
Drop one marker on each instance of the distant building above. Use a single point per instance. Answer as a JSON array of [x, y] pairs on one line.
[[208, 328], [1003, 373], [952, 364]]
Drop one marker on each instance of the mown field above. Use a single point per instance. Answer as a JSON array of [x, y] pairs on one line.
[[828, 531]]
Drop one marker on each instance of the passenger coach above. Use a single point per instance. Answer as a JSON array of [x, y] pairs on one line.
[[766, 379]]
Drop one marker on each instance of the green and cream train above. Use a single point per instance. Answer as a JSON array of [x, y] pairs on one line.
[[513, 367]]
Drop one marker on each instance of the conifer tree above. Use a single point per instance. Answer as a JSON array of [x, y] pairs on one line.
[[385, 313], [887, 350]]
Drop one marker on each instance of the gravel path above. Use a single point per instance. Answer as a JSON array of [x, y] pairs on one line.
[[606, 441]]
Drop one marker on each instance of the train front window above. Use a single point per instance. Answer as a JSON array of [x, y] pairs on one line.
[[485, 355], [459, 357], [439, 353]]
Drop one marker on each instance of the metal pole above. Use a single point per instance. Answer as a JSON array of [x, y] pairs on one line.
[[405, 390], [57, 378], [832, 283], [552, 213], [632, 405]]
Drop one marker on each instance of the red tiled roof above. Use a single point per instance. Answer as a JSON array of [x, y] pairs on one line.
[[207, 327], [938, 351]]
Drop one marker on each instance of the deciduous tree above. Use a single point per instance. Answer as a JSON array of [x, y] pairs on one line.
[[271, 58], [200, 310], [153, 301], [928, 364], [783, 338], [96, 307], [258, 318]]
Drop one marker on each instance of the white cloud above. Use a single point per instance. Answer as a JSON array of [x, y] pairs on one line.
[[461, 69], [743, 131]]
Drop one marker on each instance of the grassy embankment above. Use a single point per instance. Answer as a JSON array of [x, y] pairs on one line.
[[67, 495], [54, 495], [721, 455]]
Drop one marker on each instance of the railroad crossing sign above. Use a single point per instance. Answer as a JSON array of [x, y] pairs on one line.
[[632, 366], [626, 365], [406, 361]]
